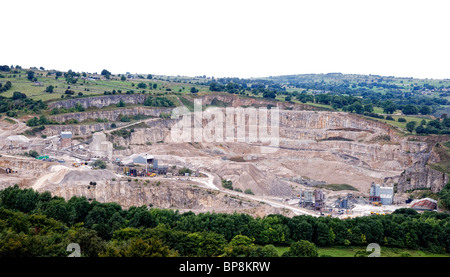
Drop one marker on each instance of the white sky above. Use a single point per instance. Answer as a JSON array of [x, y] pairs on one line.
[[230, 38]]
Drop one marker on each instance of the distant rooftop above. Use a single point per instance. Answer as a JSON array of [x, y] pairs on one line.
[[66, 134]]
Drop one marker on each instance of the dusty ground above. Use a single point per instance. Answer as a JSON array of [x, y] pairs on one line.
[[265, 175]]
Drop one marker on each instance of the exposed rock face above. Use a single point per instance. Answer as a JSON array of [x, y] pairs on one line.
[[420, 176], [236, 101], [157, 130], [25, 171], [78, 130], [333, 138], [164, 194], [100, 147], [100, 101], [111, 115], [230, 99]]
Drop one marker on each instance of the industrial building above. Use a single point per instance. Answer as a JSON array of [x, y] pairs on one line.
[[144, 159], [374, 193], [319, 199], [425, 204], [100, 147], [312, 199], [381, 195], [386, 195], [66, 139]]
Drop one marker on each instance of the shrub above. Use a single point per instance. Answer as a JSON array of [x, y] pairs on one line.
[[249, 191], [228, 184], [302, 248]]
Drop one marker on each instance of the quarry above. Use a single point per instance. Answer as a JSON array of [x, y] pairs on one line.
[[325, 163]]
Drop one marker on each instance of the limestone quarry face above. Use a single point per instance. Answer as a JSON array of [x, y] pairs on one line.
[[100, 147], [100, 101], [111, 115], [317, 147]]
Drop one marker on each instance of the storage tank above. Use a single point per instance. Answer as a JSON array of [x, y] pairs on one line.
[[344, 203], [318, 196], [308, 196], [377, 190]]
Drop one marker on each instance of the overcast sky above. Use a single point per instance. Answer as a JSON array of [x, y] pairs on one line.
[[230, 38]]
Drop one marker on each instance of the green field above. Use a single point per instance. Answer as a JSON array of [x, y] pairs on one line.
[[350, 251], [337, 187], [402, 125], [87, 87]]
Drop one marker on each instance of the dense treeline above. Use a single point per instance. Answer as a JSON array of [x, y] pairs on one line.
[[37, 224], [21, 104], [158, 102], [339, 95]]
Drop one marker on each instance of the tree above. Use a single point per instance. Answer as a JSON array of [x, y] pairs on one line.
[[368, 108], [300, 229], [389, 107], [420, 129], [269, 94], [359, 109], [410, 109], [33, 153], [106, 73], [18, 95], [90, 243], [142, 85], [323, 234], [123, 78], [239, 246], [267, 251], [302, 248], [121, 103], [154, 248], [49, 89], [80, 206], [58, 209], [30, 75], [149, 76], [444, 197], [410, 126], [213, 86], [228, 184], [99, 164], [425, 110], [194, 90]]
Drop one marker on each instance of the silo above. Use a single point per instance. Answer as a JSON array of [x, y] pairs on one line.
[[308, 196], [318, 196], [344, 203], [372, 189], [377, 190]]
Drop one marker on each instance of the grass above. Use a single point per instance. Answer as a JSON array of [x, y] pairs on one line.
[[350, 251], [96, 87], [9, 120], [443, 150], [337, 187]]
